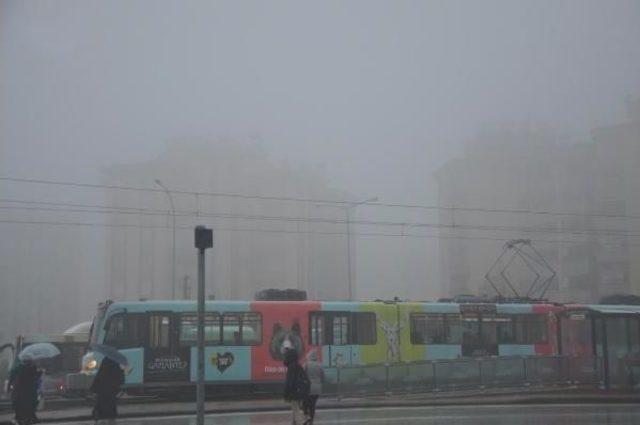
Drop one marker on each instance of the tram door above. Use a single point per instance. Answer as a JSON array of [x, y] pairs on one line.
[[332, 331], [165, 360], [339, 336], [479, 332], [577, 333]]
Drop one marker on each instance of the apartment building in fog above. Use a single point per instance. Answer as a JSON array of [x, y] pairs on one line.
[[258, 243], [529, 169]]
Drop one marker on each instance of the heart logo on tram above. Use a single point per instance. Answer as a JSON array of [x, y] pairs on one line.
[[222, 361]]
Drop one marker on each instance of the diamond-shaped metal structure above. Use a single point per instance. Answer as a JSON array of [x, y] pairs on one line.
[[520, 249]]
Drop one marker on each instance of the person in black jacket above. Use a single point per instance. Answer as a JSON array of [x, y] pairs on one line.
[[24, 397], [296, 387], [106, 386]]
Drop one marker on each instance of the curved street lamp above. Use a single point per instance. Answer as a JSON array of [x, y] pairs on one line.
[[347, 209]]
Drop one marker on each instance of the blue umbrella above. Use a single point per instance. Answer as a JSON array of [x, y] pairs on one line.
[[39, 351], [111, 353]]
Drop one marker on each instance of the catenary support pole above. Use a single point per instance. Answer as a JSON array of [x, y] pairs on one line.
[[203, 240]]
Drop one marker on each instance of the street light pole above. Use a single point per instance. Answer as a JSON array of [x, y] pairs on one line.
[[173, 239], [347, 209], [349, 267]]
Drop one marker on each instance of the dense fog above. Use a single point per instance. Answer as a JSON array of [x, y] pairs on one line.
[[409, 139]]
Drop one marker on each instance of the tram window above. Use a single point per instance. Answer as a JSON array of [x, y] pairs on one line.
[[470, 324], [116, 331], [340, 330], [435, 329], [489, 330], [418, 329], [189, 329], [251, 329], [531, 329], [231, 329], [506, 330], [241, 329], [634, 336], [125, 331], [537, 329], [364, 329], [159, 331], [316, 323]]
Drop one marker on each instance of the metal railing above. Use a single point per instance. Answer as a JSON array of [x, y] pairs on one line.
[[462, 374]]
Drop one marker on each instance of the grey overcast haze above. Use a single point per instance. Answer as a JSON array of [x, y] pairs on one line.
[[374, 96], [380, 92]]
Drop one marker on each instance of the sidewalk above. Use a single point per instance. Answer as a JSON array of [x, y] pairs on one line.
[[501, 396]]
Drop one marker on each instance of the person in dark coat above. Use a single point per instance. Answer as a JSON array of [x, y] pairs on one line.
[[106, 386], [294, 382], [24, 397]]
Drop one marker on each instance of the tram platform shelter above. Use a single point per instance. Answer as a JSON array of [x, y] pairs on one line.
[[611, 333]]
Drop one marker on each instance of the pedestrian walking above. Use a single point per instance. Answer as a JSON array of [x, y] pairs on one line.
[[106, 387], [315, 373], [296, 388], [24, 397]]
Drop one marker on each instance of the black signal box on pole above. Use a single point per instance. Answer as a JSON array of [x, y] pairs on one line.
[[203, 238]]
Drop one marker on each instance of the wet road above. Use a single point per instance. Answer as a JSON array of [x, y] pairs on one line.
[[461, 415]]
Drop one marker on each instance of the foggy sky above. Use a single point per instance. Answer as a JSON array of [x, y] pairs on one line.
[[381, 92]]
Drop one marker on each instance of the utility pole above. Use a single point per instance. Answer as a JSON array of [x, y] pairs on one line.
[[173, 239], [203, 240], [186, 287]]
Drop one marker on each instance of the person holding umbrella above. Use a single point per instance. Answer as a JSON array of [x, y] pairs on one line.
[[107, 383], [24, 380]]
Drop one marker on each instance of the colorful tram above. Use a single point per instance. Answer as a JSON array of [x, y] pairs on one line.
[[243, 340]]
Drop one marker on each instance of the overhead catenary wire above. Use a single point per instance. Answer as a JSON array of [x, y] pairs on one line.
[[72, 204], [318, 200], [315, 232], [97, 209]]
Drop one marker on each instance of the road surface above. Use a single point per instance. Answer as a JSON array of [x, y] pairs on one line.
[[551, 414]]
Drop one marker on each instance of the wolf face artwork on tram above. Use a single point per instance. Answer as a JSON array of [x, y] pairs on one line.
[[284, 336]]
